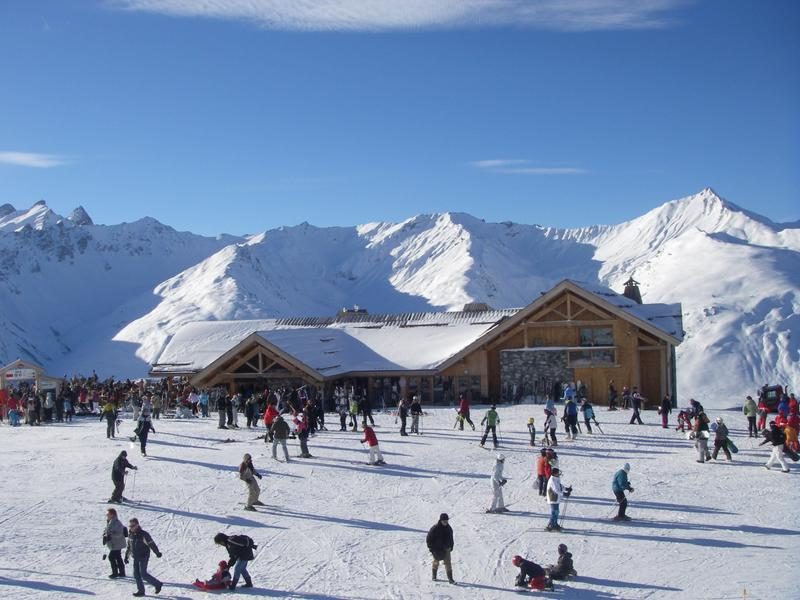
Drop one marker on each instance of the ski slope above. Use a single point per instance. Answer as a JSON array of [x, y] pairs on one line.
[[336, 528]]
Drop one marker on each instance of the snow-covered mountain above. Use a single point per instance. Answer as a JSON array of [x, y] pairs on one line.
[[82, 296]]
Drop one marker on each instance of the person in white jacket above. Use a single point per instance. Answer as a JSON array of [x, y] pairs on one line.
[[555, 492], [497, 486]]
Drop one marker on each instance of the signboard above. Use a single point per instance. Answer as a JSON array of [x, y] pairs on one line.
[[47, 385], [14, 374]]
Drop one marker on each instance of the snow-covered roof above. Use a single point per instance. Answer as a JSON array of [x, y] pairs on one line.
[[336, 345]]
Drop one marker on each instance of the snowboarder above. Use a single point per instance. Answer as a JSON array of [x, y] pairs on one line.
[[248, 474], [139, 545], [636, 403], [721, 440], [776, 436], [220, 580], [416, 412], [498, 481], [664, 410], [118, 476], [618, 486], [564, 567], [555, 492], [463, 412], [114, 538], [490, 420], [240, 551], [550, 427], [280, 432], [532, 430], [530, 574], [440, 544], [375, 456]]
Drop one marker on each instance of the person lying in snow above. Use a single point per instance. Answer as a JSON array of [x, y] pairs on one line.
[[221, 580], [564, 568]]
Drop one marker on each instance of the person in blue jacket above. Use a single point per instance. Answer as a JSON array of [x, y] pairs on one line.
[[618, 486]]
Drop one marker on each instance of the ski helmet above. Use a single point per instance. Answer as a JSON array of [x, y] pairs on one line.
[[247, 457], [223, 564], [562, 548], [500, 458], [517, 560], [555, 471], [543, 452], [626, 467], [719, 420]]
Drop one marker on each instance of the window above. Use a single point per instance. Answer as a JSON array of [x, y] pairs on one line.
[[591, 358], [597, 336]]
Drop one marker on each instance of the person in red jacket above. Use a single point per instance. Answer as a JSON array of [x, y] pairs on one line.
[[463, 412], [269, 417], [542, 471], [762, 412], [375, 456]]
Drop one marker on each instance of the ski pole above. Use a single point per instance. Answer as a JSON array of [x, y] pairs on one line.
[[133, 493], [499, 438], [564, 514], [598, 426]]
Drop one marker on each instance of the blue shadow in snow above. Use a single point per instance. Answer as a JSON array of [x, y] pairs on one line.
[[225, 520], [357, 523], [44, 587]]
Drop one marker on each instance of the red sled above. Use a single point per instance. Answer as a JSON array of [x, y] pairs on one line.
[[209, 587]]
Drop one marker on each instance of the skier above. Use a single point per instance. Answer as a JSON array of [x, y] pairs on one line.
[[498, 481], [416, 411], [636, 403], [139, 545], [564, 567], [463, 411], [342, 408], [233, 411], [532, 430], [366, 410], [354, 412], [542, 472], [402, 412], [776, 436], [110, 415], [664, 410], [588, 414], [491, 420], [618, 486], [530, 574], [280, 433], [555, 491], [118, 476], [248, 474], [721, 440], [570, 418], [222, 409], [700, 433], [270, 413], [612, 396], [143, 429], [240, 552], [301, 423], [220, 580], [440, 544], [550, 426], [750, 411], [114, 538], [375, 456]]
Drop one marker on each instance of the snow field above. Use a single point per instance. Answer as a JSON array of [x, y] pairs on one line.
[[337, 528]]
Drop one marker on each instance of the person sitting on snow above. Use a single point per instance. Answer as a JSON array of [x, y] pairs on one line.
[[530, 574], [564, 567], [221, 580]]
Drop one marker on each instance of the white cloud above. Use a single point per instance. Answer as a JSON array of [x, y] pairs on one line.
[[32, 159], [388, 15], [518, 166]]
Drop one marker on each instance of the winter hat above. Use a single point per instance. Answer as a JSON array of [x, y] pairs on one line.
[[626, 467], [719, 420], [555, 471], [444, 517], [123, 453], [562, 548], [247, 457], [517, 560], [543, 452], [500, 458], [223, 564], [220, 538], [494, 406]]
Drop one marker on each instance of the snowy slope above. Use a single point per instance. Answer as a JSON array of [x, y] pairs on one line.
[[124, 290], [334, 528]]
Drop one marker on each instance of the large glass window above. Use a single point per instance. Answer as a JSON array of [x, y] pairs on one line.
[[591, 358], [597, 336]]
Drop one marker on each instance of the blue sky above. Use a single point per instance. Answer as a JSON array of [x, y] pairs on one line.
[[241, 115]]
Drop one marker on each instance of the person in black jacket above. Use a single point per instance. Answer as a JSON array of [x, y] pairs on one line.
[[240, 551], [530, 574], [118, 476], [440, 544], [564, 568], [139, 545], [142, 430]]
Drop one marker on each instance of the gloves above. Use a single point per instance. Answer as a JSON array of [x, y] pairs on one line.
[[631, 489], [158, 554], [105, 539], [568, 492], [503, 481], [135, 468], [258, 475], [255, 546]]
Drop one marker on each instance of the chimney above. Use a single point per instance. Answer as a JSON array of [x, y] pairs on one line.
[[632, 291]]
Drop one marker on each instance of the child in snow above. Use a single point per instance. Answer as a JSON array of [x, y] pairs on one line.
[[221, 580], [532, 430], [684, 424], [375, 456], [530, 574], [542, 472], [248, 474], [550, 426], [555, 493], [790, 431], [491, 420], [301, 423], [588, 414], [498, 481], [564, 567]]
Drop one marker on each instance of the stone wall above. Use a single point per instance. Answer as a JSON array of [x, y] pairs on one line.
[[535, 373]]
